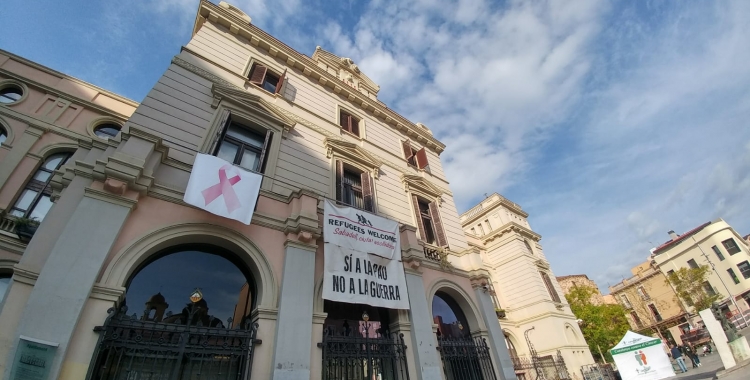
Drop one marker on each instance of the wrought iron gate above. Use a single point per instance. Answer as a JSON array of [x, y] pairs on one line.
[[132, 349], [363, 358], [598, 372], [541, 367], [466, 358]]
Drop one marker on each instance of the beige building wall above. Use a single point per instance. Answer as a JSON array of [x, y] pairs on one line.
[[718, 242], [122, 199], [651, 303], [567, 283], [511, 252]]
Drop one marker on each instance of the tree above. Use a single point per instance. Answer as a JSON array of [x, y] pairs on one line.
[[602, 325], [691, 286]]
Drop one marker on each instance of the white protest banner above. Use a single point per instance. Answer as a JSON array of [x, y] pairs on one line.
[[361, 231], [357, 277], [222, 188]]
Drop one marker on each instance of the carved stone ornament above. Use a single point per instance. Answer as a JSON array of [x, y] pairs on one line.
[[354, 153]]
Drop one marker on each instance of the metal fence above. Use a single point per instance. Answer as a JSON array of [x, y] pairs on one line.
[[133, 349], [466, 359], [364, 358], [598, 372], [541, 367]]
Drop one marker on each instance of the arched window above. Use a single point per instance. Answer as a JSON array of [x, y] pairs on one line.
[[107, 130], [222, 284], [550, 288], [449, 317], [35, 200]]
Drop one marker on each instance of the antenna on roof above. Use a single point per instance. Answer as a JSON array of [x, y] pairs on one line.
[[486, 196]]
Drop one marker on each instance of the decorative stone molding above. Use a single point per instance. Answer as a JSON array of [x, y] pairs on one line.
[[353, 152], [24, 275], [542, 264], [512, 227], [254, 103], [110, 197], [203, 72], [417, 184], [107, 293], [412, 264]]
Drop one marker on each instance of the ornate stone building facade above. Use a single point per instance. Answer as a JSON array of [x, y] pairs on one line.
[[122, 278], [569, 282], [535, 317]]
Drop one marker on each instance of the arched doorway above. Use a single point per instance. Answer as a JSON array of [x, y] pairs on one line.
[[464, 357], [358, 344], [186, 315]]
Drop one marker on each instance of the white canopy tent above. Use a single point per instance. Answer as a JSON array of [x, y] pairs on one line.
[[641, 357]]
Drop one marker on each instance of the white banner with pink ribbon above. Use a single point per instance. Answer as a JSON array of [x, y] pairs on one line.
[[222, 188]]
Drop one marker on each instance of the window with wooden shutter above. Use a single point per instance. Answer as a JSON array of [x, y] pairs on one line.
[[421, 158], [429, 223], [349, 123], [437, 224], [354, 187], [409, 153], [368, 192], [260, 75]]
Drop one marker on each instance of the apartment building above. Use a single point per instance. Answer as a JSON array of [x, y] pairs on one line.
[[536, 319], [122, 279], [719, 246], [651, 303]]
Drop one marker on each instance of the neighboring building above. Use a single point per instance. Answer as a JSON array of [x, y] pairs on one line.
[[118, 250], [718, 242], [571, 281], [609, 299], [525, 286], [651, 303]]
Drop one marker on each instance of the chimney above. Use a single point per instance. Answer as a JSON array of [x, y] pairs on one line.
[[673, 235]]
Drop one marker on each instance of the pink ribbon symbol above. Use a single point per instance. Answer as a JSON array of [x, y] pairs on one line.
[[224, 187]]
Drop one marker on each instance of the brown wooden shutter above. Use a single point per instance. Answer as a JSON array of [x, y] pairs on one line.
[[258, 74], [339, 179], [280, 84], [368, 193], [222, 126], [407, 149], [550, 288], [354, 123], [422, 159], [264, 152], [343, 119], [420, 225], [437, 225]]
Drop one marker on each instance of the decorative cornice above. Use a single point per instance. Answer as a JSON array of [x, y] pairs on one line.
[[511, 227], [24, 275], [110, 197], [255, 103], [353, 152], [204, 73], [106, 293], [310, 68], [414, 182]]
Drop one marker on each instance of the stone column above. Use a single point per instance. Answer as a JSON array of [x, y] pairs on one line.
[[719, 337], [291, 358], [500, 356], [422, 345], [20, 147], [67, 277]]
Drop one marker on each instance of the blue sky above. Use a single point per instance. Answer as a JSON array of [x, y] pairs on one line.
[[610, 122]]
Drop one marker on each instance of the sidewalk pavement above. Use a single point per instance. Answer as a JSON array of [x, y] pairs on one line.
[[711, 365]]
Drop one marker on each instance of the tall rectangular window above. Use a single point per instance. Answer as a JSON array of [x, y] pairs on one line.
[[550, 288], [429, 222], [636, 319], [260, 75], [655, 312], [244, 146], [691, 263], [744, 268], [731, 246], [625, 301], [642, 292], [709, 289], [354, 187], [349, 123], [718, 253], [733, 276]]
